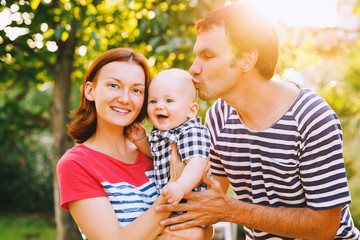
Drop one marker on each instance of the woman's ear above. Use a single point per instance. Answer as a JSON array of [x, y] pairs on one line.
[[88, 91], [193, 110]]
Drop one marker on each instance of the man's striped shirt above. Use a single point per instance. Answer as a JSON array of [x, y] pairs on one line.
[[296, 162]]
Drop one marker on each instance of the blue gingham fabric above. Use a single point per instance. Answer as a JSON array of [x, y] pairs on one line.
[[191, 139]]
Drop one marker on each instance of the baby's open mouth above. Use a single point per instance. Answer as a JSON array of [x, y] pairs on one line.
[[161, 116]]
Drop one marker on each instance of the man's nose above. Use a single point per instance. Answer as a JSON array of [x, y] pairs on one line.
[[195, 68]]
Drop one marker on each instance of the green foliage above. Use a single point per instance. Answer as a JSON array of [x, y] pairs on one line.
[[25, 172], [296, 55], [26, 176]]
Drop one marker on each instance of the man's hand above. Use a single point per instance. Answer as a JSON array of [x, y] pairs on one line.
[[202, 208]]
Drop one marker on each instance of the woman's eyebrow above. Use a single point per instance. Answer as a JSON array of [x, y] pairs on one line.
[[121, 81]]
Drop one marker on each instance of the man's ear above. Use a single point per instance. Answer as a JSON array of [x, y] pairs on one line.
[[88, 91], [248, 60], [193, 110]]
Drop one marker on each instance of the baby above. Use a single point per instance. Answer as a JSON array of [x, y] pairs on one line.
[[172, 109]]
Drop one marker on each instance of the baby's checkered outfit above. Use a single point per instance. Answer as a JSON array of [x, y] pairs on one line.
[[191, 140]]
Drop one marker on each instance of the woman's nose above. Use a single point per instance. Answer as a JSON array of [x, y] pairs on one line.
[[123, 97]]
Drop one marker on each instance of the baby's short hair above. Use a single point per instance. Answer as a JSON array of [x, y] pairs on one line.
[[182, 73]]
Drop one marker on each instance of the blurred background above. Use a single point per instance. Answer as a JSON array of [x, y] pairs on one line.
[[47, 45]]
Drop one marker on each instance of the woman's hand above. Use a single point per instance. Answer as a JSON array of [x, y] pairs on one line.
[[135, 132]]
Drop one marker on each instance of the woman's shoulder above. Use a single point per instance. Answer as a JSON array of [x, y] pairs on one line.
[[75, 155]]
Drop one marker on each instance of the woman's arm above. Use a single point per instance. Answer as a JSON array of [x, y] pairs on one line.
[[97, 219]]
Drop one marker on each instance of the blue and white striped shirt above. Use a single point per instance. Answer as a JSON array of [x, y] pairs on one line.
[[296, 162]]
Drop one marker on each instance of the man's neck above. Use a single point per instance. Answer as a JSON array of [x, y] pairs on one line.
[[260, 103]]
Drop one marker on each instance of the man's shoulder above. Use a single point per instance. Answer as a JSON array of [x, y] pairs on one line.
[[309, 103], [220, 108], [218, 115]]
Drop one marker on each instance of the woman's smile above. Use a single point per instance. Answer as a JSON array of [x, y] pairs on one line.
[[120, 110]]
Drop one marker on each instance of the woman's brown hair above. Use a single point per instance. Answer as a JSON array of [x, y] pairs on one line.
[[83, 124]]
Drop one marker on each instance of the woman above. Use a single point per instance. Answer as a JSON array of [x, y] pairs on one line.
[[105, 182]]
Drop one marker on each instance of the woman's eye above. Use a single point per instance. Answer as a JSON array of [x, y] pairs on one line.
[[169, 101], [136, 91], [113, 85]]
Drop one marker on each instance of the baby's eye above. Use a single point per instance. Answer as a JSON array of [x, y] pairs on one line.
[[169, 100], [152, 101]]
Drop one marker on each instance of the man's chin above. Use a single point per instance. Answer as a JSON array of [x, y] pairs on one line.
[[205, 97]]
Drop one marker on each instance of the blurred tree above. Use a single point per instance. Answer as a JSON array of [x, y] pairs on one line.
[[46, 45]]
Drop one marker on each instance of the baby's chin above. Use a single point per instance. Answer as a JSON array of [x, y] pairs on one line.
[[163, 127]]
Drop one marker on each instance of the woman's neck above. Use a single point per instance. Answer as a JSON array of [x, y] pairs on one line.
[[114, 144]]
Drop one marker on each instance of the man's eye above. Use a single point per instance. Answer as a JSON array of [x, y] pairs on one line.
[[169, 101]]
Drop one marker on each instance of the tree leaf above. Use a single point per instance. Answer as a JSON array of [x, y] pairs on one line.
[[34, 4]]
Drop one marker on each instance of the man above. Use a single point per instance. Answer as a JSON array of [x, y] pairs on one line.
[[278, 144]]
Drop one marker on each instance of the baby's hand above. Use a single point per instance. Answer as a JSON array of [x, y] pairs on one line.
[[135, 132], [173, 192]]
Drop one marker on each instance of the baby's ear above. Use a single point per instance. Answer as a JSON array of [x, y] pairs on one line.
[[193, 110]]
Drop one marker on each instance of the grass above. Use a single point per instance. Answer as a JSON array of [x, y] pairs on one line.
[[21, 226]]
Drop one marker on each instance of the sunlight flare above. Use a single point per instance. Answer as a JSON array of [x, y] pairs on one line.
[[298, 13]]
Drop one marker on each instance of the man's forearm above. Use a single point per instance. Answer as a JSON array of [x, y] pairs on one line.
[[212, 206], [303, 223]]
